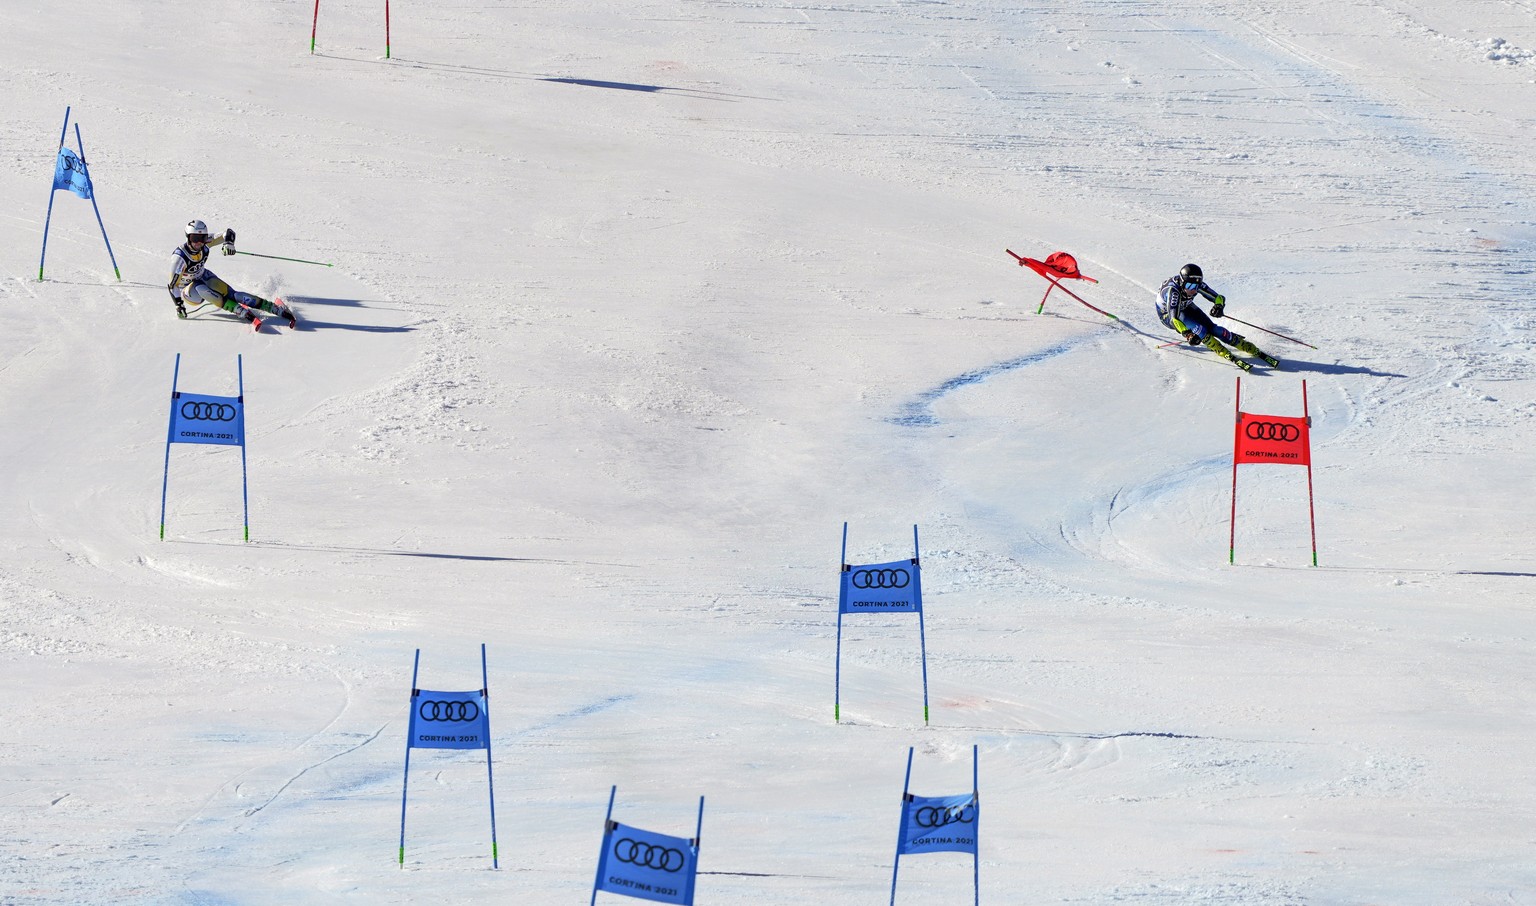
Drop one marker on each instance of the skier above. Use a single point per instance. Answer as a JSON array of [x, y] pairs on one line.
[[192, 281], [1176, 309]]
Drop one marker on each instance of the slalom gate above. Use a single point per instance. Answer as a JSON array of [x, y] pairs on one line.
[[895, 587], [450, 720], [939, 824], [1277, 440], [200, 419], [647, 865]]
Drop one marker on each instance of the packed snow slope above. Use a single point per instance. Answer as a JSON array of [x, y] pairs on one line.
[[633, 305]]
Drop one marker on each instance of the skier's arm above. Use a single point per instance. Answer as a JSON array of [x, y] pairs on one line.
[[226, 239], [1217, 300], [178, 271]]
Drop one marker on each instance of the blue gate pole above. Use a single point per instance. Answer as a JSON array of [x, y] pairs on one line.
[[603, 856], [485, 695], [170, 422], [698, 838], [901, 829], [976, 798], [81, 142], [405, 782], [51, 192], [245, 494], [837, 668], [922, 637]]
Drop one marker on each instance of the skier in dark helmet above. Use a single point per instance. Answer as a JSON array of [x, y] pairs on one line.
[[1177, 309], [192, 281]]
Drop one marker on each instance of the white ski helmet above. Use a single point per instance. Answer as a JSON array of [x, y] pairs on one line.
[[197, 231]]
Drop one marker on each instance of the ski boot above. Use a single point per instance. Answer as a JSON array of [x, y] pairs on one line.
[[1215, 346], [1247, 348]]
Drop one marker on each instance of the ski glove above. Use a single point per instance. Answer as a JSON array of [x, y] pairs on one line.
[[1219, 307], [181, 309], [1191, 338], [229, 242]]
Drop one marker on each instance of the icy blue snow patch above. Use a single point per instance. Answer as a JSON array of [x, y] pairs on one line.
[[919, 412]]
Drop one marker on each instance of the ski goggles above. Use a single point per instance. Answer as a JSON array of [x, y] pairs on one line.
[[199, 239], [1191, 285]]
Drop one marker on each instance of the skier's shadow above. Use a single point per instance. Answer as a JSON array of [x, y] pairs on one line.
[[350, 303], [311, 324], [388, 552], [1326, 368]]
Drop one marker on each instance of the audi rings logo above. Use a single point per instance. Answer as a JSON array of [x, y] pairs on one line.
[[931, 816], [660, 858], [208, 412], [455, 712], [881, 578], [1272, 431]]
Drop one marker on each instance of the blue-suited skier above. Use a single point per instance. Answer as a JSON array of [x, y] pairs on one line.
[[192, 281], [1176, 308]]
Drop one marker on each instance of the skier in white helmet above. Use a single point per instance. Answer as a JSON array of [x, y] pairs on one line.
[[192, 281]]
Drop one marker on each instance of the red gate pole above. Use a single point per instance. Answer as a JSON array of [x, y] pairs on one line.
[[313, 26], [1232, 535], [1311, 510], [386, 38]]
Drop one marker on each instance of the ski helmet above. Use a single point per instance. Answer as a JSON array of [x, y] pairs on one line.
[[1191, 272], [197, 231]]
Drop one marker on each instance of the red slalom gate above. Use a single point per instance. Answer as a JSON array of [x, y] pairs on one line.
[[1277, 440], [1056, 267], [314, 28]]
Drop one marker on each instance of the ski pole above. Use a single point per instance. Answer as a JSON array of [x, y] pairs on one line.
[[1268, 331], [302, 261]]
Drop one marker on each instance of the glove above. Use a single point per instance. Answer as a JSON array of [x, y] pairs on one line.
[[229, 242], [181, 309], [1191, 338], [1219, 307]]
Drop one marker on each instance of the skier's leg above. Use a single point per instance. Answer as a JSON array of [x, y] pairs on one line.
[[1215, 346], [1246, 347], [211, 292], [257, 302], [240, 297], [1185, 330], [212, 289]]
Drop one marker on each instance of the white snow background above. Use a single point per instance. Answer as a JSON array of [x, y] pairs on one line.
[[633, 304]]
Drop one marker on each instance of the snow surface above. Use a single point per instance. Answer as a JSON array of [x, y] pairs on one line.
[[634, 303]]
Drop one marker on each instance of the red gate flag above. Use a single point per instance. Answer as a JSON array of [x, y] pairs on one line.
[[1276, 439], [1056, 267]]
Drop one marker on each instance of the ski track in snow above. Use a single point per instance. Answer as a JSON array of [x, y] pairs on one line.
[[625, 320]]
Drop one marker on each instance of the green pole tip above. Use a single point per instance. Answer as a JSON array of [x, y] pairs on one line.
[[402, 857]]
